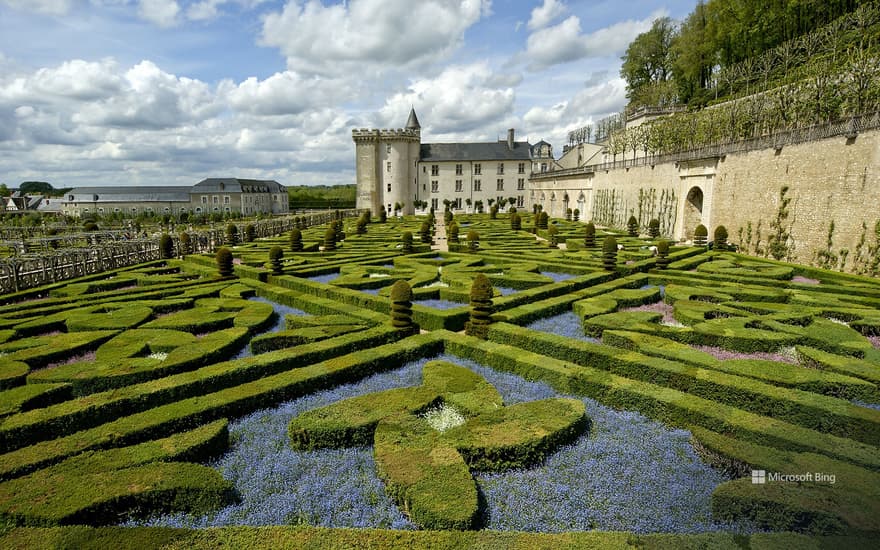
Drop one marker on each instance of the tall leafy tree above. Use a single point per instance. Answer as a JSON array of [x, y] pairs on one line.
[[647, 62]]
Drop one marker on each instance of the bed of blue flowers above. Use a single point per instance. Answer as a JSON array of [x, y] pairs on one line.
[[629, 473], [566, 324]]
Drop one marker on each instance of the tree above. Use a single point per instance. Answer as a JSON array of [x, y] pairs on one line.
[[647, 61], [35, 187], [166, 246], [4, 191]]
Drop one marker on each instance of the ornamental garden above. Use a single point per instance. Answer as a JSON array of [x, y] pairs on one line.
[[491, 380]]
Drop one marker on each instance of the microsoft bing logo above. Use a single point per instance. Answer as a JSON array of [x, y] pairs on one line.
[[759, 477]]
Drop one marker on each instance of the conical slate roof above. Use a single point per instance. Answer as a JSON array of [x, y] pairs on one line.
[[412, 123]]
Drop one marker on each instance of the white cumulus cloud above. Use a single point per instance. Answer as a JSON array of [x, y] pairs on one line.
[[546, 13], [51, 7], [162, 13]]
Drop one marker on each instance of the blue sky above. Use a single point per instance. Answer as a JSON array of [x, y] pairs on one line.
[[167, 92]]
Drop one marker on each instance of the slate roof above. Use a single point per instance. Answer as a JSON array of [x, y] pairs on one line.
[[171, 193], [236, 185], [412, 123], [475, 151]]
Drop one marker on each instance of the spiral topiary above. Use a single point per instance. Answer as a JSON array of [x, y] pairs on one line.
[[224, 262], [250, 233], [632, 227], [296, 240], [541, 220], [473, 240], [361, 226], [554, 236], [407, 242], [568, 214], [166, 246], [654, 228], [185, 243], [663, 254], [515, 222], [337, 226], [576, 215], [425, 233], [590, 235], [609, 253], [330, 239], [481, 307], [700, 234], [232, 234], [721, 238], [275, 257], [401, 305]]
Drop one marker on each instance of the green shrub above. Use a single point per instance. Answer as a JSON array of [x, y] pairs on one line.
[[515, 222], [361, 226], [720, 238], [632, 227], [663, 254], [338, 226], [401, 305], [383, 216], [609, 253], [250, 233], [577, 214], [232, 237], [553, 232], [473, 240], [296, 242], [700, 235], [330, 239], [568, 214], [185, 243], [425, 233], [654, 228], [224, 262], [90, 226], [276, 255], [541, 220], [452, 233], [481, 307], [407, 242], [166, 246], [590, 235]]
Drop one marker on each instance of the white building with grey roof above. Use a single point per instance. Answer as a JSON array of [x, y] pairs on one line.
[[209, 196], [395, 167]]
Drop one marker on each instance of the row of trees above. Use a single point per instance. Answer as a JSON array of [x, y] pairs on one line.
[[731, 46]]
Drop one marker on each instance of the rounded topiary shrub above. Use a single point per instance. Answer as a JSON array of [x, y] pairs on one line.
[[407, 242], [576, 214], [166, 246], [401, 305], [425, 233], [481, 307], [609, 253], [590, 235], [700, 234], [338, 228], [654, 228], [515, 222], [232, 234], [493, 212], [185, 243], [568, 214], [90, 226], [720, 238], [553, 231], [296, 240], [224, 262], [383, 217], [367, 215], [447, 217], [275, 257], [632, 227], [541, 220], [473, 240], [250, 233], [452, 233], [361, 226], [330, 239], [663, 254]]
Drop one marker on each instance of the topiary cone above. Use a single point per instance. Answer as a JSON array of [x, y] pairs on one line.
[[166, 246], [407, 240], [700, 234], [654, 228], [481, 307], [224, 262], [330, 239], [663, 254], [275, 257], [296, 240], [721, 238], [632, 227], [590, 235]]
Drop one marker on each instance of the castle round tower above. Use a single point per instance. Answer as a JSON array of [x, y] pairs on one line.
[[386, 166]]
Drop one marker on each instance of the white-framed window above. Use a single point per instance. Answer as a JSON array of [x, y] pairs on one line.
[[388, 166], [458, 170], [500, 168], [435, 203], [388, 149], [225, 199], [215, 199], [520, 201], [388, 188], [435, 169], [520, 184], [435, 186], [478, 169], [499, 184], [458, 203], [478, 184], [521, 168], [204, 199], [134, 209], [458, 186], [543, 167]]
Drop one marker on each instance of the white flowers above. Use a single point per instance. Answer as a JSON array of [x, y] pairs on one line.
[[443, 418], [159, 356]]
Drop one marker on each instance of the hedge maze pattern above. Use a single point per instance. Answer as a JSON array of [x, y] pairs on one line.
[[116, 392]]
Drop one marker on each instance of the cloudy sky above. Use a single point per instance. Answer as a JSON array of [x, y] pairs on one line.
[[167, 92]]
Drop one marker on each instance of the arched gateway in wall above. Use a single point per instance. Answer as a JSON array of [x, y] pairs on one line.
[[693, 211]]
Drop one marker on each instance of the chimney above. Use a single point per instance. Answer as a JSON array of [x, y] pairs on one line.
[[510, 139]]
